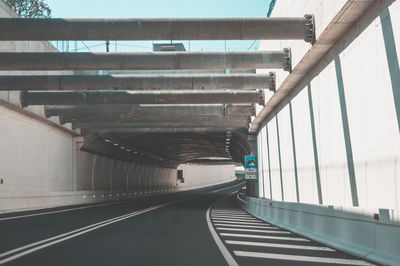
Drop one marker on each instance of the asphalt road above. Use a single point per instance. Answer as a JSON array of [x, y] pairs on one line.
[[202, 227], [162, 230]]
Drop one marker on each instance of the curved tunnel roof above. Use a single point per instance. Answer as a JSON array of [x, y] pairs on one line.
[[168, 149]]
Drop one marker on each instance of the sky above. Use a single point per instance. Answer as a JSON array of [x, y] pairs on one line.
[[156, 9]]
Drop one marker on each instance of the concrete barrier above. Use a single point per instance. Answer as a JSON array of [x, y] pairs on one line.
[[373, 234]]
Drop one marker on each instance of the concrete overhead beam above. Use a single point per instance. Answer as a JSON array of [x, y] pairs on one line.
[[159, 29], [138, 82], [161, 118], [161, 130], [135, 110], [146, 61], [141, 97], [195, 124]]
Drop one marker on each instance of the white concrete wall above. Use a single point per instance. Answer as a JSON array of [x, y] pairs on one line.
[[33, 155], [374, 133]]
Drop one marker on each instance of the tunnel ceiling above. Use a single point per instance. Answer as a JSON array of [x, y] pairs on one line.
[[168, 149]]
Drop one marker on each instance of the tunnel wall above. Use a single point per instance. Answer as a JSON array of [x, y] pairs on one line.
[[346, 116], [41, 167]]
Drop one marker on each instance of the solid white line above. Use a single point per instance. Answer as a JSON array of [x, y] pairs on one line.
[[230, 213], [264, 237], [228, 257], [73, 209], [252, 230], [300, 258], [233, 222], [58, 211], [69, 235], [236, 220], [247, 226], [234, 216], [273, 245], [62, 237]]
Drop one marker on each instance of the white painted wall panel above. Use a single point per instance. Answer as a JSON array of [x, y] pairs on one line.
[[373, 123]]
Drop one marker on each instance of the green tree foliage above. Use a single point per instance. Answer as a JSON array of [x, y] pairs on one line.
[[30, 8]]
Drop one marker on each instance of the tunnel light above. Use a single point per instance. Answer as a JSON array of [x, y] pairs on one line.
[[128, 150], [115, 144], [107, 140]]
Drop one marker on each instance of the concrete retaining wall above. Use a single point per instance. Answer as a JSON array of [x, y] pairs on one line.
[[350, 229]]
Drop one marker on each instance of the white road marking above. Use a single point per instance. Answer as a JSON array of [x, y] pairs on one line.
[[252, 230], [227, 255], [300, 258], [63, 237], [237, 221], [274, 245], [58, 211], [234, 217], [230, 213], [69, 235], [247, 226], [68, 210], [265, 237]]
